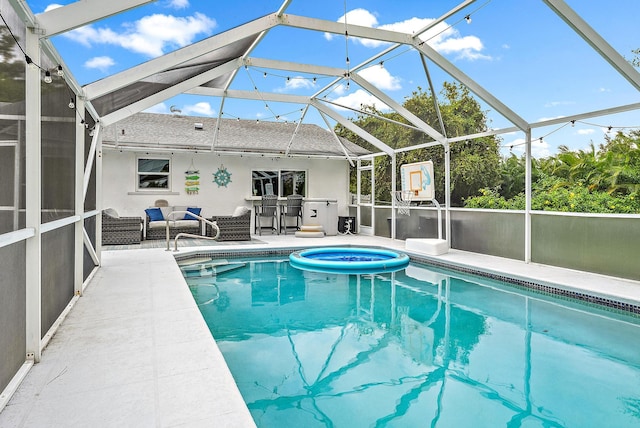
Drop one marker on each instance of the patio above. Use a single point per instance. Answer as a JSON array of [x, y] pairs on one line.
[[135, 351]]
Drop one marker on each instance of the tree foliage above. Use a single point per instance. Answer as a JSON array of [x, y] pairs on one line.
[[474, 164], [598, 180], [11, 66]]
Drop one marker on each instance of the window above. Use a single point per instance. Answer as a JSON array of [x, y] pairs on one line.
[[293, 182], [153, 174], [264, 182], [281, 183]]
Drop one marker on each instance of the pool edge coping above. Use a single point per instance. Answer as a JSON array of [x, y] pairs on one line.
[[600, 300]]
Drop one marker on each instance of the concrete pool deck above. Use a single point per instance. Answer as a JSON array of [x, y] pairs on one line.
[[134, 350]]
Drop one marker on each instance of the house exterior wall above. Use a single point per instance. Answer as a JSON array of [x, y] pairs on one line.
[[326, 178]]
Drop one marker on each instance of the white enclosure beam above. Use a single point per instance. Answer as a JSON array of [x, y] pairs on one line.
[[333, 132], [33, 201], [422, 30], [340, 28], [587, 115], [172, 91], [79, 13], [90, 158], [175, 58], [456, 73], [295, 131], [50, 51], [294, 66], [248, 95], [79, 193], [527, 195], [447, 15], [596, 41], [99, 185], [283, 7], [447, 191], [352, 127], [397, 107]]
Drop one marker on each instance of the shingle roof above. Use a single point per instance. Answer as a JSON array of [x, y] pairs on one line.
[[150, 130]]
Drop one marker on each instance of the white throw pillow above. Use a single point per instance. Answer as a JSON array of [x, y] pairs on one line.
[[111, 212], [240, 211]]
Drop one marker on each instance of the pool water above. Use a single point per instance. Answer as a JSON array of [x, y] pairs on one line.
[[418, 347]]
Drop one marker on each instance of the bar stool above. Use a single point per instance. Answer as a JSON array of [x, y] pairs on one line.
[[293, 209], [268, 209]]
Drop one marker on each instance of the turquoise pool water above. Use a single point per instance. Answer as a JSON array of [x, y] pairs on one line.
[[414, 348]]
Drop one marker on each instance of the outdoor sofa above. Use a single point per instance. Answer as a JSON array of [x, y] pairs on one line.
[[156, 222]]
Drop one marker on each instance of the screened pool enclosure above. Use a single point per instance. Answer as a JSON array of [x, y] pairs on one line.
[[52, 127]]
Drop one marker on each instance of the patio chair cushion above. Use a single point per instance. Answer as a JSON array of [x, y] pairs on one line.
[[155, 214], [179, 224]]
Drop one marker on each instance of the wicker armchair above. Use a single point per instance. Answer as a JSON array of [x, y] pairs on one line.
[[121, 230], [232, 228]]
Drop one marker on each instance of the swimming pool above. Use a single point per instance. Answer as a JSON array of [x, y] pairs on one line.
[[418, 347]]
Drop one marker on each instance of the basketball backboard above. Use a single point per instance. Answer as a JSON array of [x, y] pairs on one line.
[[417, 178]]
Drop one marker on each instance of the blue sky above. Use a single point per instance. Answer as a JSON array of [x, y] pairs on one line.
[[518, 50]]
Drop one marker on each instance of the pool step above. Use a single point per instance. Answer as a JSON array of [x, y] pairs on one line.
[[310, 231], [194, 260], [212, 268]]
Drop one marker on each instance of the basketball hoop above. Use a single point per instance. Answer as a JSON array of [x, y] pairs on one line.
[[403, 201]]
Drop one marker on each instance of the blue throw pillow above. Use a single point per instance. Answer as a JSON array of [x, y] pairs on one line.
[[155, 214], [196, 211]]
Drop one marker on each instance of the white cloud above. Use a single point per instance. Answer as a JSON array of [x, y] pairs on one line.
[[586, 131], [543, 119], [356, 17], [381, 78], [151, 35], [295, 83], [360, 98], [101, 63], [178, 4], [559, 103], [467, 47], [52, 6], [340, 89], [199, 109], [441, 37]]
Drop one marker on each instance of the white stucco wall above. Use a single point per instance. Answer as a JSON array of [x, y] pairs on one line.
[[325, 179]]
